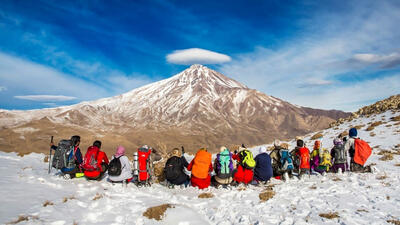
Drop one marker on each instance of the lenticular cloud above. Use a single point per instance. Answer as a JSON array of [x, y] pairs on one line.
[[196, 56]]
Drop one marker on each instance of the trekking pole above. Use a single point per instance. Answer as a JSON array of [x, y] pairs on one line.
[[51, 141]]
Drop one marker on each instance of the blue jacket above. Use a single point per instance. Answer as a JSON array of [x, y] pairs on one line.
[[78, 161], [263, 170]]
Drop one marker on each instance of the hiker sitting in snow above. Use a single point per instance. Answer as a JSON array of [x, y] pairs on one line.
[[174, 169], [223, 167], [73, 164], [95, 163], [263, 170], [120, 171], [201, 167], [339, 156], [320, 158], [246, 163], [350, 147], [286, 161], [275, 159], [302, 155]]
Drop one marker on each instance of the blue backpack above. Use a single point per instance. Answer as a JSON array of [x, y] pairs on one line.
[[286, 160]]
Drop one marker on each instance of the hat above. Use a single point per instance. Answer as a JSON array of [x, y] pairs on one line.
[[300, 143], [120, 151], [277, 143], [337, 141], [285, 145], [353, 132], [262, 149], [175, 152], [223, 148]]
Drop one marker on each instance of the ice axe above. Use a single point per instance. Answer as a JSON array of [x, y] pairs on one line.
[[51, 141]]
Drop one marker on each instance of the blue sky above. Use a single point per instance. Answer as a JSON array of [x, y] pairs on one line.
[[321, 54]]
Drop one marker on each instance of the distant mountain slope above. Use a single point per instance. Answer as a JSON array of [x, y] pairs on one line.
[[195, 108]]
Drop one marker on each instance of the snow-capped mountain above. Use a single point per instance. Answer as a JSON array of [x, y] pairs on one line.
[[197, 107]]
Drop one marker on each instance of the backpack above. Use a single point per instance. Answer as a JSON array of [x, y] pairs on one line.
[[304, 157], [144, 163], [173, 168], [286, 160], [362, 151], [201, 164], [246, 159], [340, 154], [325, 158], [115, 167], [61, 154], [90, 160], [224, 164]]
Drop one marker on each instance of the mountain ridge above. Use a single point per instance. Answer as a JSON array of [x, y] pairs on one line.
[[197, 107]]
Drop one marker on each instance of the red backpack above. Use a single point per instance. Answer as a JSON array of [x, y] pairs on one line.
[[362, 151], [144, 161], [304, 155], [90, 160]]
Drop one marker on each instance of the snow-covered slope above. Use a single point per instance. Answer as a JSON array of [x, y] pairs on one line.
[[356, 198], [197, 107]]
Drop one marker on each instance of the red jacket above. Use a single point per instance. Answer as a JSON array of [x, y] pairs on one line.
[[101, 157], [197, 182], [242, 175]]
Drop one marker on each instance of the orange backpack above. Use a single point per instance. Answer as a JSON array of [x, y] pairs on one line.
[[362, 151], [201, 164], [304, 158]]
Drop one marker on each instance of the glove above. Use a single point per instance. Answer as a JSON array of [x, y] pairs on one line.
[[183, 150]]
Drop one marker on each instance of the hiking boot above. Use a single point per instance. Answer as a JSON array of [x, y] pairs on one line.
[[67, 176]]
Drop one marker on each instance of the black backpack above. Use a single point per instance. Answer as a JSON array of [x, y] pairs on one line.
[[173, 168], [340, 154], [114, 168], [61, 154]]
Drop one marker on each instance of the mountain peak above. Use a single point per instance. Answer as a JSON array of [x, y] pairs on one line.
[[202, 75]]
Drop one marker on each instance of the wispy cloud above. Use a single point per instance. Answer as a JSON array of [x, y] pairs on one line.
[[384, 60], [196, 56], [2, 88], [45, 98], [317, 62]]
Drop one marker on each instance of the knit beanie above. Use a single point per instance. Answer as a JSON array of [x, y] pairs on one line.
[[353, 132]]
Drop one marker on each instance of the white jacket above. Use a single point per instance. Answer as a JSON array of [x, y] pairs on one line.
[[126, 170]]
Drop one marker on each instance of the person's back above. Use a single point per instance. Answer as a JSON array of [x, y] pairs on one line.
[[74, 159], [244, 172], [122, 171], [304, 161], [350, 146], [275, 159], [263, 170], [223, 167], [201, 167], [174, 168], [314, 157], [339, 156]]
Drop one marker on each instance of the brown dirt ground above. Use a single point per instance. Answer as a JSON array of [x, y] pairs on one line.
[[206, 195], [157, 212], [331, 215]]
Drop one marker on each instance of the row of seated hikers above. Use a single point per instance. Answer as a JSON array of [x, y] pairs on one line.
[[68, 158], [228, 168]]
